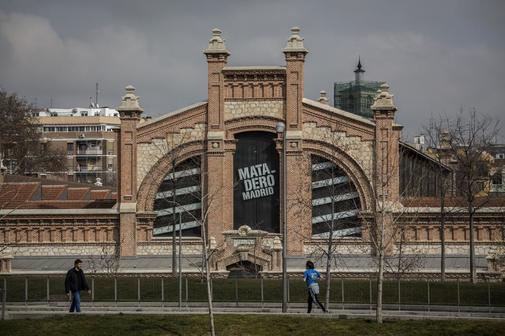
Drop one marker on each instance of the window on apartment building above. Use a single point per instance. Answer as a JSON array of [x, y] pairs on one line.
[[70, 148]]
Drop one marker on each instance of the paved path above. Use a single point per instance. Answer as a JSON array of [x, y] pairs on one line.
[[16, 311]]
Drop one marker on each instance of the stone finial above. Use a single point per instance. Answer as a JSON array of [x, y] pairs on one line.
[[130, 101], [323, 99], [212, 243], [295, 42], [384, 100], [277, 244], [216, 43]]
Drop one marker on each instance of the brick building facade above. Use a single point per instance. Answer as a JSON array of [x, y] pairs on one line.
[[220, 162]]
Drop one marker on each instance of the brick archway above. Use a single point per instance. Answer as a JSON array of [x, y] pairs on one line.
[[149, 186], [348, 165], [151, 182], [250, 124]]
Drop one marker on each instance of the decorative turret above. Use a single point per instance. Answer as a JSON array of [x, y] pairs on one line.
[[323, 98], [387, 137], [129, 106], [294, 53], [295, 42], [217, 56], [216, 45], [129, 111], [383, 100]]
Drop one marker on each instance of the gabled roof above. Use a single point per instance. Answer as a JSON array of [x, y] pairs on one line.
[[424, 155], [171, 114], [338, 111]]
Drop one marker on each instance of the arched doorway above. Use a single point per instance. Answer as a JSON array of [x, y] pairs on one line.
[[243, 269]]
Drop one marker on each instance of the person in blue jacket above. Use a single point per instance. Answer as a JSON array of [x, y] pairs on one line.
[[310, 276]]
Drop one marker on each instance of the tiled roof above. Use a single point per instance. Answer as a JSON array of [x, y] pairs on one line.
[[452, 202], [20, 192]]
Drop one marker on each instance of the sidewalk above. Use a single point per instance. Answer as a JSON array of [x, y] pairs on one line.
[[43, 310]]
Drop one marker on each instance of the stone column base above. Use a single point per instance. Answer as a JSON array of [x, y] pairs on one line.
[[6, 263]]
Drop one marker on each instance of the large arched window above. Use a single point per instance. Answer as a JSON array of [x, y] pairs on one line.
[[335, 201], [178, 200]]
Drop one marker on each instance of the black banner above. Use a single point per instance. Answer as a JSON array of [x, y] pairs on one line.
[[256, 179]]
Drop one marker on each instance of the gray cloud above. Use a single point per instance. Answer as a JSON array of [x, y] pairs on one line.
[[437, 56]]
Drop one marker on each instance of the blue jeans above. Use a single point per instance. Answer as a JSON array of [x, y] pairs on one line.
[[76, 302]]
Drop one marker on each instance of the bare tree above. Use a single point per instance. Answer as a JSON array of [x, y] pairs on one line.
[[208, 244], [340, 194], [438, 148], [468, 138], [22, 148], [401, 262], [339, 197], [172, 148], [107, 261]]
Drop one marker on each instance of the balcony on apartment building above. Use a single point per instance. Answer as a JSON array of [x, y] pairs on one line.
[[89, 148], [90, 151]]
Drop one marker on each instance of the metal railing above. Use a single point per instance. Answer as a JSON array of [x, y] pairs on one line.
[[259, 292]]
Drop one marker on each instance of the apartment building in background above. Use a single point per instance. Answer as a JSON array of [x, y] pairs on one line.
[[87, 137]]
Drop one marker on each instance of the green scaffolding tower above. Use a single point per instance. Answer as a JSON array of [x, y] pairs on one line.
[[356, 96]]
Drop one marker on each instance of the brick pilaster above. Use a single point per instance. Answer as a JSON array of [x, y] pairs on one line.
[[297, 213], [386, 181], [130, 112], [215, 160], [295, 54]]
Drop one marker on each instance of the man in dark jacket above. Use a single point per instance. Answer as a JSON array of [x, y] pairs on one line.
[[74, 283]]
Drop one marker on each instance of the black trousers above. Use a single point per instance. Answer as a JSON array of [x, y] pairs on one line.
[[312, 297]]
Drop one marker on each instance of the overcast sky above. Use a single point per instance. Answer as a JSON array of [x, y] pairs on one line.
[[438, 56]]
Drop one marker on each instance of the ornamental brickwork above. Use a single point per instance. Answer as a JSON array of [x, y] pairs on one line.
[[254, 101]]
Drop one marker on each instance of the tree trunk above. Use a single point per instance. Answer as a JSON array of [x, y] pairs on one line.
[[207, 278], [473, 273], [180, 262], [329, 254], [328, 272], [442, 236], [380, 280], [174, 231]]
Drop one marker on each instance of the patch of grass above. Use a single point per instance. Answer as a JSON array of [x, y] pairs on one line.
[[231, 325]]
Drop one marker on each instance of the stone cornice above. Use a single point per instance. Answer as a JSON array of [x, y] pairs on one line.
[[452, 210], [46, 212]]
